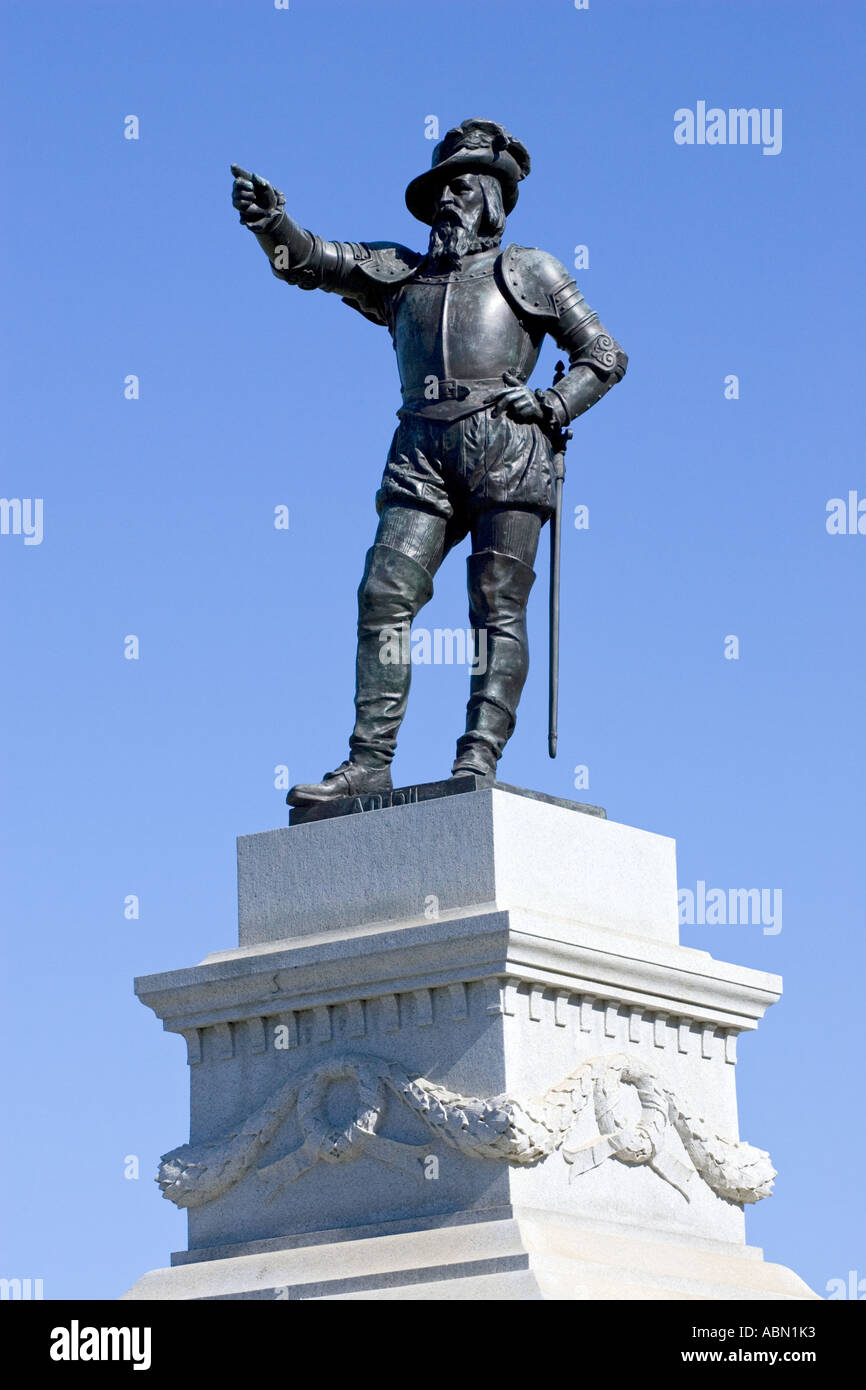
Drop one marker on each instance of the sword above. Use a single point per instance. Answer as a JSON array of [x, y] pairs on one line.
[[559, 438]]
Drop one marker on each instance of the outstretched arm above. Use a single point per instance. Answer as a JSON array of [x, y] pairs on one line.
[[296, 255]]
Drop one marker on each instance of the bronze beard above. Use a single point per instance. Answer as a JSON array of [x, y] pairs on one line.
[[452, 237]]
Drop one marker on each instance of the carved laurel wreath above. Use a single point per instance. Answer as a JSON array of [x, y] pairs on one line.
[[520, 1132]]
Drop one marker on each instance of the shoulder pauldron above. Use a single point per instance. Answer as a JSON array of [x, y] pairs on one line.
[[537, 282], [385, 262]]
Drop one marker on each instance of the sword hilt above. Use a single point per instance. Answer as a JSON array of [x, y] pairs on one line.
[[560, 442], [559, 435]]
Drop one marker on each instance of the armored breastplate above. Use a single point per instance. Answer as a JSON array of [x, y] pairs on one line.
[[456, 329]]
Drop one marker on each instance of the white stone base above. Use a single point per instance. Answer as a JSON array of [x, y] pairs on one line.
[[486, 990], [530, 1255]]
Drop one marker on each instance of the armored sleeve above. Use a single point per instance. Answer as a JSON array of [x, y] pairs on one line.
[[543, 288], [596, 362], [362, 274]]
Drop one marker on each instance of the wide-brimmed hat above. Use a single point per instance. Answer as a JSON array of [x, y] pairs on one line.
[[473, 147]]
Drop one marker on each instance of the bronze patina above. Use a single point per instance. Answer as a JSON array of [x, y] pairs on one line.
[[476, 452]]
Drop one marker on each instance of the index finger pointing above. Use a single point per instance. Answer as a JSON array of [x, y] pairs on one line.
[[240, 173]]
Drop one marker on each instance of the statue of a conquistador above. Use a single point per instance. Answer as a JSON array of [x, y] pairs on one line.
[[473, 449]]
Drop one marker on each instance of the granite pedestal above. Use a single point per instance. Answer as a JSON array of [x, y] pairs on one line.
[[459, 1053]]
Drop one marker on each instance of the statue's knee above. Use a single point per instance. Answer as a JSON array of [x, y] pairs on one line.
[[498, 585], [393, 587]]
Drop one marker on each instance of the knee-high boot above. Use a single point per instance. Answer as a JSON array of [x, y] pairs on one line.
[[392, 590], [499, 587]]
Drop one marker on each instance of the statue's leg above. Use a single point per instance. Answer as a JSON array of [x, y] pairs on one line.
[[500, 577], [397, 582]]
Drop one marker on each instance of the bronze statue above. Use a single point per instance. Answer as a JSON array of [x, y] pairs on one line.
[[476, 449]]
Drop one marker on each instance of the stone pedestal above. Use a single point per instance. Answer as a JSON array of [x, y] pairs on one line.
[[460, 1053]]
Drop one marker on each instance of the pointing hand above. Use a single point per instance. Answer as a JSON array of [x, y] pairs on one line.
[[254, 198]]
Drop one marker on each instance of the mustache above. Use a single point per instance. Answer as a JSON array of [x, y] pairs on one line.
[[452, 216]]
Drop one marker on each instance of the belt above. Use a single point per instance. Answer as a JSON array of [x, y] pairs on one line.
[[449, 389]]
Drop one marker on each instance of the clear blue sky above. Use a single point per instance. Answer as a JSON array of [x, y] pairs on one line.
[[707, 519]]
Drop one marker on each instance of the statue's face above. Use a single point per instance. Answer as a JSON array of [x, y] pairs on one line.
[[459, 210], [461, 201]]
